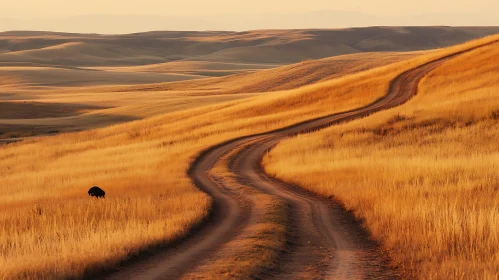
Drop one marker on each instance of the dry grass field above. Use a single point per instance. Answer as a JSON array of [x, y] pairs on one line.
[[50, 229], [47, 217], [116, 76], [43, 101], [423, 176]]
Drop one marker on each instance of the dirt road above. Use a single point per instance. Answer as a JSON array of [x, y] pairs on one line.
[[323, 240]]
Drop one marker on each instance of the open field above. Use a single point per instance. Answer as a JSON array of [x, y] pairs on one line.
[[36, 105], [45, 215], [128, 77], [423, 176]]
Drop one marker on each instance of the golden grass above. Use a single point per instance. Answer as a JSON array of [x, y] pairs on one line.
[[296, 75], [422, 176], [62, 89], [142, 167], [49, 228]]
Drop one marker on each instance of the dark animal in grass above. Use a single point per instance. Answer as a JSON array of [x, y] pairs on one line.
[[97, 192]]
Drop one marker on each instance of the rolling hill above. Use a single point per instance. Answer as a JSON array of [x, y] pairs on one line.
[[270, 46], [151, 199], [48, 97], [132, 76]]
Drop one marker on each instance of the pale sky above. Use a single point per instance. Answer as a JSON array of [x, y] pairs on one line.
[[38, 8], [125, 16]]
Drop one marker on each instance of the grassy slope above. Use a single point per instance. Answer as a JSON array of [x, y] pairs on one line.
[[77, 77], [423, 176], [56, 104], [194, 67], [70, 68], [50, 229], [285, 77]]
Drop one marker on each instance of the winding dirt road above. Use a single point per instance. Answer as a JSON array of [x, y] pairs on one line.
[[322, 239]]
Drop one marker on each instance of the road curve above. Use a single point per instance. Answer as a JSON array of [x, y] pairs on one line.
[[325, 242]]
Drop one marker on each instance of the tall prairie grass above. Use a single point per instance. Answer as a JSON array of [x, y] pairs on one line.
[[50, 228], [423, 176]]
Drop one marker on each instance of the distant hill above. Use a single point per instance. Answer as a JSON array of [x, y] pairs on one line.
[[261, 46]]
